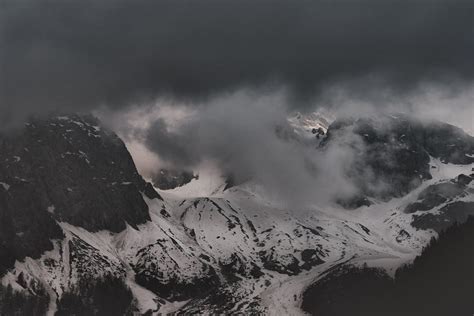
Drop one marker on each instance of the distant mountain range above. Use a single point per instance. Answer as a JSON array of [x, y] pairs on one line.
[[79, 224]]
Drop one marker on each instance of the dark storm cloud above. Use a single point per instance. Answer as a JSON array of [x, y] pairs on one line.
[[79, 54]]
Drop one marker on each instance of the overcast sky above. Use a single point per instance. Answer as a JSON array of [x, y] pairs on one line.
[[80, 54], [232, 70]]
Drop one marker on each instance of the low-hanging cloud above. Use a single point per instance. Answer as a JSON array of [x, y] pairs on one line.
[[246, 134], [242, 134], [77, 55]]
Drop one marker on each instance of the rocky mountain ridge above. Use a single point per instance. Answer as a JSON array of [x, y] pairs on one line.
[[65, 169], [230, 252]]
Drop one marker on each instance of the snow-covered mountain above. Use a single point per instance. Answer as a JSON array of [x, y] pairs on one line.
[[73, 207]]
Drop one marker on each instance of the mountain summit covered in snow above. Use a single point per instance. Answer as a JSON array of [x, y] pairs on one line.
[[79, 224]]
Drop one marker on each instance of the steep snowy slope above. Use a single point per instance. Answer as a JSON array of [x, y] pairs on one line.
[[251, 255]]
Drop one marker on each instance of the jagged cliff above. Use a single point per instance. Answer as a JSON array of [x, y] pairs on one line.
[[64, 169]]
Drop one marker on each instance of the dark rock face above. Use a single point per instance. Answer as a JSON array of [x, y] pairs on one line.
[[170, 179], [172, 287], [439, 193], [176, 290], [354, 202], [402, 235], [310, 258], [464, 179], [64, 169], [392, 153], [448, 143], [291, 265], [288, 263], [456, 212], [89, 263], [173, 271], [447, 197], [237, 267], [221, 300]]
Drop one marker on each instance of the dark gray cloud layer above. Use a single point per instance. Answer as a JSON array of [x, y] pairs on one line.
[[78, 54]]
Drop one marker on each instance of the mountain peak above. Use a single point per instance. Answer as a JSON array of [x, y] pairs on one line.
[[66, 169]]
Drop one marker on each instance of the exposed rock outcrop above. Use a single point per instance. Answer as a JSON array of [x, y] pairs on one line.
[[392, 153], [66, 169]]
